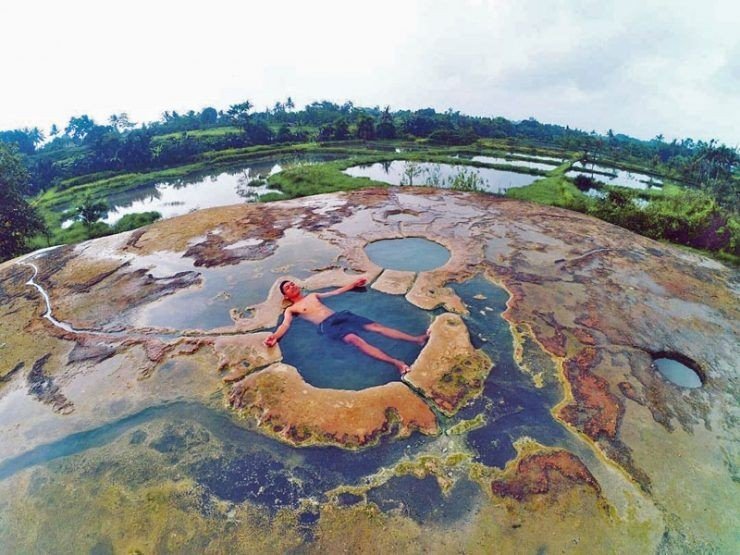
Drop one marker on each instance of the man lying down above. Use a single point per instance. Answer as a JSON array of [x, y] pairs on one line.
[[342, 325]]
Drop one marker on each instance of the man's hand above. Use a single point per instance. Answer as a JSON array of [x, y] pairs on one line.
[[359, 282], [271, 340]]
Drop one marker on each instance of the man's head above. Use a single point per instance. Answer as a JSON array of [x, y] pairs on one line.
[[289, 289]]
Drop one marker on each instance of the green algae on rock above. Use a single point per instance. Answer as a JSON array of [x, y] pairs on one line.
[[449, 371], [286, 406]]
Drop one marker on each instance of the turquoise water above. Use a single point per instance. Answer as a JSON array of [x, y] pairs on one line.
[[677, 373], [248, 465], [328, 363], [411, 254], [400, 172], [512, 406]]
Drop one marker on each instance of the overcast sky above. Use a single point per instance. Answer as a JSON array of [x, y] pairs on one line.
[[639, 67]]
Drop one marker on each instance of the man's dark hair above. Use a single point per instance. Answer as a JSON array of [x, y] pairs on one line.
[[282, 284]]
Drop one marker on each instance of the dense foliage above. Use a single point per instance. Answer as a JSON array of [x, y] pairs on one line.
[[18, 220]]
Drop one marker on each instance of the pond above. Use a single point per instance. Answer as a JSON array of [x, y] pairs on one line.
[[201, 190], [411, 254], [615, 177], [402, 172], [516, 162]]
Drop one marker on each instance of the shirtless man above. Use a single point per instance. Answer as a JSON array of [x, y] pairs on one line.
[[338, 325]]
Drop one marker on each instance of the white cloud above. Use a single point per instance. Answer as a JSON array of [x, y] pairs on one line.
[[640, 67]]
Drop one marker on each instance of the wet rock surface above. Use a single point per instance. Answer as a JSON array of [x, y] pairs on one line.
[[449, 371], [623, 459], [287, 407]]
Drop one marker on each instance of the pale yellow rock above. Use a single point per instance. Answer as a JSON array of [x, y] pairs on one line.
[[449, 370], [429, 292], [394, 282], [244, 353], [292, 410]]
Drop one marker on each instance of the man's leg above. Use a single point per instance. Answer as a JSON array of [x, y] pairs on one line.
[[396, 334], [370, 350]]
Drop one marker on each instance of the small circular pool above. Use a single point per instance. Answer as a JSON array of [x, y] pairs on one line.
[[678, 373], [411, 254]]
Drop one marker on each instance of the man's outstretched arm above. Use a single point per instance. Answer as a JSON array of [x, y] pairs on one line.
[[280, 331], [357, 283]]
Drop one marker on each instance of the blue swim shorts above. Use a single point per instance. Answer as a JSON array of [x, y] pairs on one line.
[[342, 323]]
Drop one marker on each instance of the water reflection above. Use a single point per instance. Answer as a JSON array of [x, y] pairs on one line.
[[614, 176], [546, 166], [411, 254], [401, 172], [201, 189]]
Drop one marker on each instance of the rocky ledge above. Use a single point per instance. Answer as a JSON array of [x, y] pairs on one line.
[[286, 407]]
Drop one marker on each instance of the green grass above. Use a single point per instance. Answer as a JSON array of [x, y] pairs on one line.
[[555, 190], [315, 179]]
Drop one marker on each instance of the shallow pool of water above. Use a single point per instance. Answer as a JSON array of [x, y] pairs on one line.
[[677, 373], [512, 406], [227, 462], [401, 172], [411, 254], [298, 254], [328, 363], [550, 159]]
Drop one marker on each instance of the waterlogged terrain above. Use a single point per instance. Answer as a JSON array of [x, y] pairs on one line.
[[615, 177], [141, 412], [546, 166], [202, 190], [399, 172]]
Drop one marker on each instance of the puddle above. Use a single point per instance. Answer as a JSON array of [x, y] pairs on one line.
[[678, 373], [298, 254], [412, 254], [329, 363]]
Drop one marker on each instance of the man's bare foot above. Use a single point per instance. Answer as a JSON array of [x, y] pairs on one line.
[[403, 368], [423, 338]]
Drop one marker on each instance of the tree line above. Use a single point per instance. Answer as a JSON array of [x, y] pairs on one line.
[[84, 147]]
